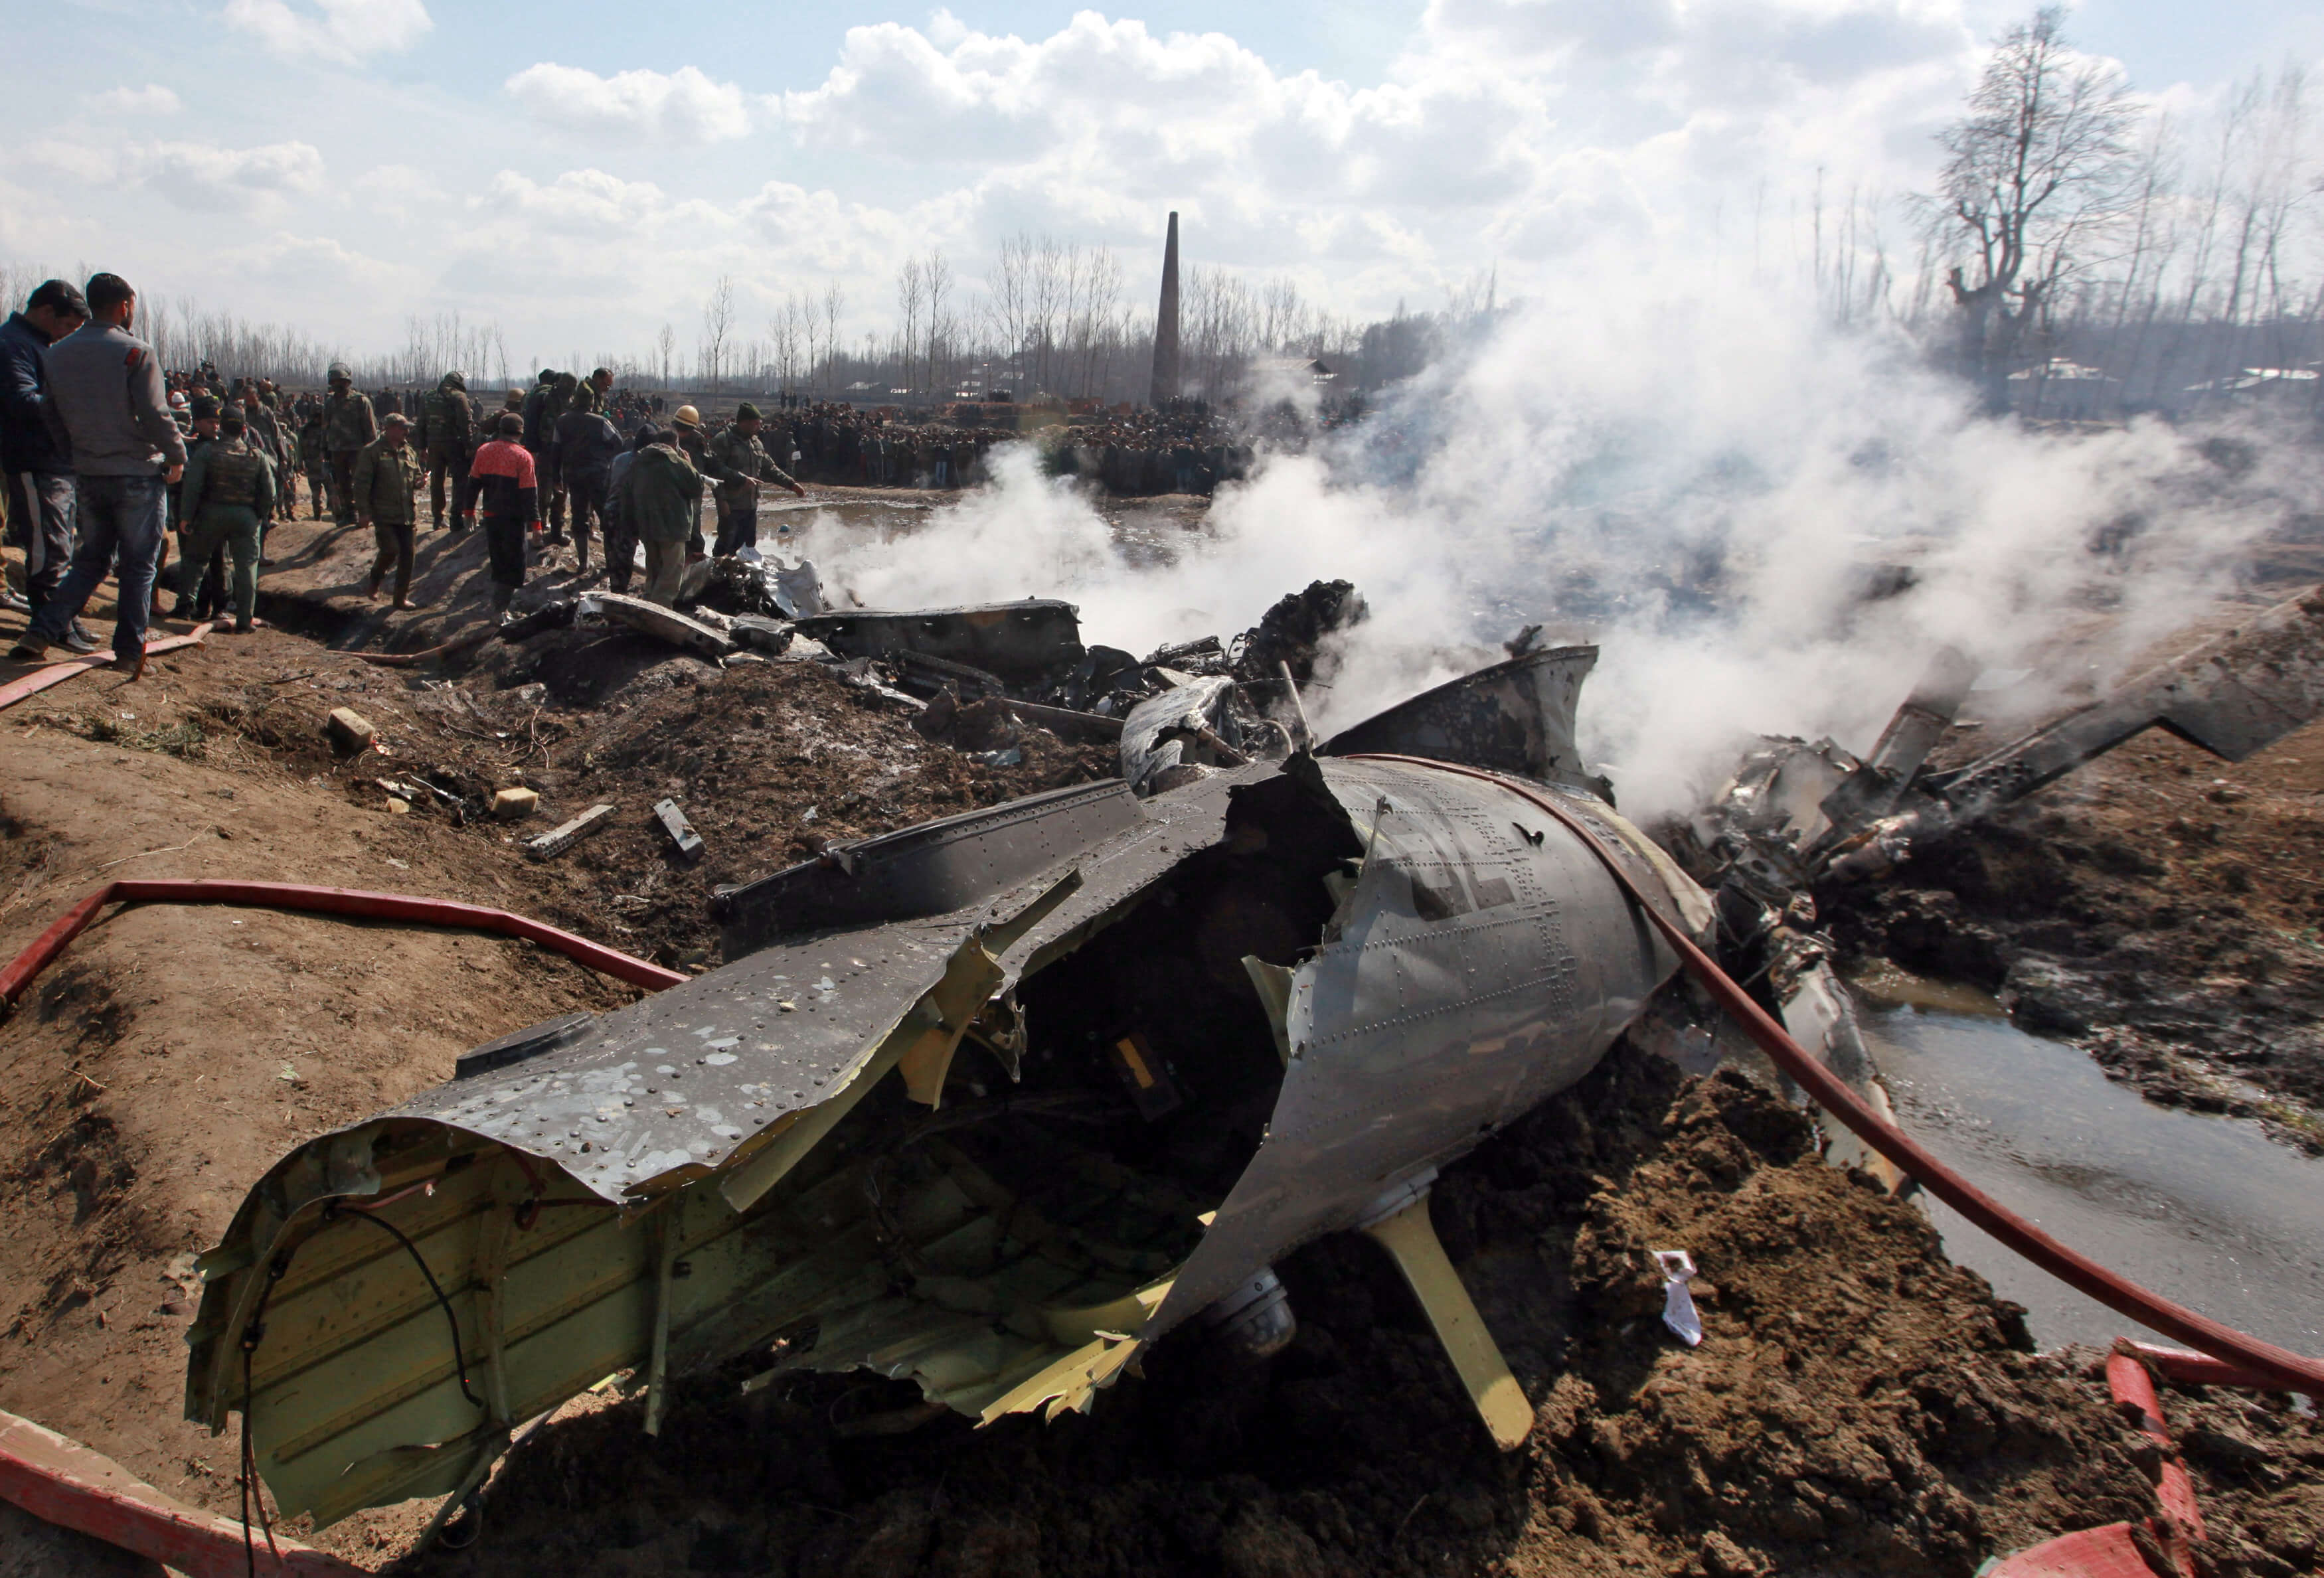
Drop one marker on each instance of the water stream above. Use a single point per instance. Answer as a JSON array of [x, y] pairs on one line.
[[2206, 1211]]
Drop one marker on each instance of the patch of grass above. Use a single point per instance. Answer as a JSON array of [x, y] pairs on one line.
[[184, 740]]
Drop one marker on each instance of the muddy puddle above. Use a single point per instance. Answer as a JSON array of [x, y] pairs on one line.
[[1144, 532], [804, 521], [2206, 1211]]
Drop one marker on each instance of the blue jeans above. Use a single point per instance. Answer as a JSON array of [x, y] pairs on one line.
[[121, 517]]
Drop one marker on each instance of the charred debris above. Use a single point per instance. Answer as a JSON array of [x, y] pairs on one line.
[[993, 1103], [1800, 818]]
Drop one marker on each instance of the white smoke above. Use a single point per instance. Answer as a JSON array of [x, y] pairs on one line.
[[1705, 484]]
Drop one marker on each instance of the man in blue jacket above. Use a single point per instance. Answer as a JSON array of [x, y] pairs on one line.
[[35, 465], [105, 393]]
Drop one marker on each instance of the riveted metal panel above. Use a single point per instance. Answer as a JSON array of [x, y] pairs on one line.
[[677, 1082], [1483, 962], [1514, 718], [932, 869]]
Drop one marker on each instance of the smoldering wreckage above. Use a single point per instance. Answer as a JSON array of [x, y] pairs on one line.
[[995, 1103]]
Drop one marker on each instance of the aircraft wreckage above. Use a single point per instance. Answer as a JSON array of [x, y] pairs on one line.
[[994, 1103], [990, 1103]]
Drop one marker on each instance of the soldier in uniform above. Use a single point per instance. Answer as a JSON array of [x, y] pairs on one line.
[[347, 425], [227, 490], [742, 462], [314, 459], [621, 534], [386, 478], [587, 444], [446, 427], [204, 600], [261, 433], [685, 434], [561, 397], [661, 492], [286, 453], [540, 415]]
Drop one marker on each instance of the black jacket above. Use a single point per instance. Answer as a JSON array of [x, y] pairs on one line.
[[28, 441]]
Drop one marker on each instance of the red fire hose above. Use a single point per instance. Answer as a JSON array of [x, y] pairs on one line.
[[33, 681], [19, 972], [2273, 1367]]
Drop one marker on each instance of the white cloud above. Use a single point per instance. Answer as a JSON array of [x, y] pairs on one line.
[[683, 106], [203, 175], [309, 264], [944, 29], [199, 176], [398, 191], [338, 32], [1516, 132], [1521, 125], [587, 203], [152, 99]]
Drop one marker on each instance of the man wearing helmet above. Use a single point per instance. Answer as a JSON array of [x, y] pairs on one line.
[[445, 425], [347, 425]]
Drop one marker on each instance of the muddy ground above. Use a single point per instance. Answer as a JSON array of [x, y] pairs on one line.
[[1859, 1405], [2159, 907]]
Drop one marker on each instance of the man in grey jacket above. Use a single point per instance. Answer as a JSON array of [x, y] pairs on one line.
[[105, 393]]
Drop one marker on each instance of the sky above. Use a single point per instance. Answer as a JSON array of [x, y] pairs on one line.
[[582, 172]]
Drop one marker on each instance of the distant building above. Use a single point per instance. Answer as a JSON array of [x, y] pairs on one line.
[[2064, 391], [1279, 371], [2272, 386]]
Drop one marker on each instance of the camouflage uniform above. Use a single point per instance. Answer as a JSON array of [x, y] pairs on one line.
[[347, 425], [587, 444], [561, 396], [742, 461], [228, 489], [540, 411], [202, 408], [660, 491], [315, 460], [264, 434], [446, 424], [386, 479]]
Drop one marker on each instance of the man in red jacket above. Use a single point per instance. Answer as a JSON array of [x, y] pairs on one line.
[[509, 491]]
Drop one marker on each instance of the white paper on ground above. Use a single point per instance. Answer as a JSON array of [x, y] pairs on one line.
[[1678, 1304]]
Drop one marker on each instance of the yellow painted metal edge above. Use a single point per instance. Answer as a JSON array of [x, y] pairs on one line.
[[1410, 1239]]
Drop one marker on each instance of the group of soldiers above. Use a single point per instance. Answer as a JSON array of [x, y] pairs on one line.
[[543, 469]]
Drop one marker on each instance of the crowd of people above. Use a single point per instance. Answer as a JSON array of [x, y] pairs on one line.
[[108, 458], [838, 443], [1186, 449]]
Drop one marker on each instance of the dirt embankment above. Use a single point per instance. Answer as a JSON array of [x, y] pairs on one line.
[[2160, 906], [175, 1053]]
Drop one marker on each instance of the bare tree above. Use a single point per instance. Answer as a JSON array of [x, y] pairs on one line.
[[936, 278], [910, 298], [2035, 168], [667, 343], [717, 325], [785, 329], [835, 303]]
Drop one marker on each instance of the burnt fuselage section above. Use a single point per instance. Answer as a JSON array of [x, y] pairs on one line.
[[988, 1104]]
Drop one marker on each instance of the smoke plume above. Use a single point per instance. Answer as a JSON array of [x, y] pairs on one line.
[[1767, 525]]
